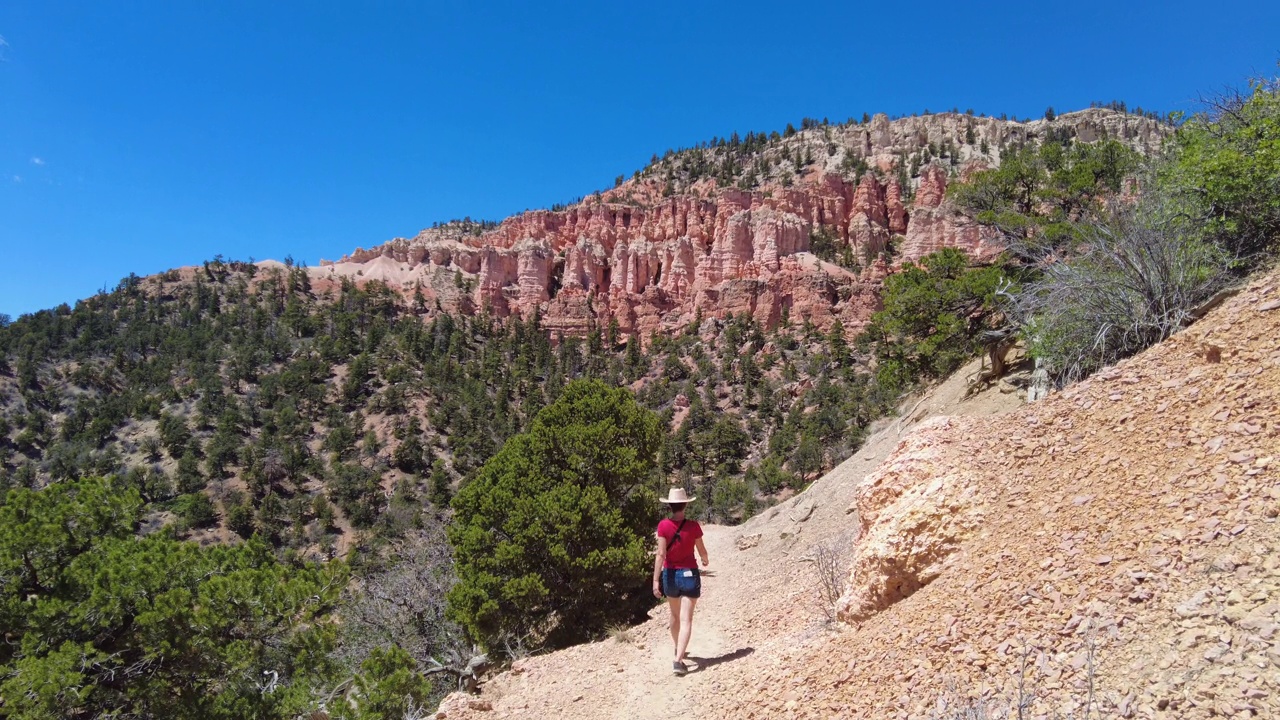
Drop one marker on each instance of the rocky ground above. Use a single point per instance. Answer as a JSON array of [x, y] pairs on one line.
[[1112, 550]]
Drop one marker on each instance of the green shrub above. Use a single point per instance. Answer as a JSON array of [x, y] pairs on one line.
[[103, 624], [551, 538], [195, 510], [729, 495], [934, 315], [240, 520], [387, 686], [190, 479], [1038, 193], [1223, 169], [770, 477]]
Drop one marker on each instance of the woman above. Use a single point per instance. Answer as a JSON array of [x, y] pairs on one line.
[[675, 573]]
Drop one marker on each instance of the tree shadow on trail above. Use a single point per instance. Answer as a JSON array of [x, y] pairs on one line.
[[701, 664]]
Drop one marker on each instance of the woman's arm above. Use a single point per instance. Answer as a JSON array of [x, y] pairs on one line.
[[659, 558], [702, 550]]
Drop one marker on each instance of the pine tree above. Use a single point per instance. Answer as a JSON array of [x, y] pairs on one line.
[[440, 491], [189, 477], [551, 535]]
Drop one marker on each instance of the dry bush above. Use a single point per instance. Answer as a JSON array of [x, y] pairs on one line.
[[1137, 278], [830, 563], [622, 634], [404, 605], [1031, 700]]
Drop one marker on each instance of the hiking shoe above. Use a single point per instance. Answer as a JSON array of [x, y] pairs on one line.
[[679, 669]]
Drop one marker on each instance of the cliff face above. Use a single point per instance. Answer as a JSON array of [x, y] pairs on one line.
[[652, 262]]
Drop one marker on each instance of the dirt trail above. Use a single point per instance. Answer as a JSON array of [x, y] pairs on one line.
[[651, 690], [630, 676]]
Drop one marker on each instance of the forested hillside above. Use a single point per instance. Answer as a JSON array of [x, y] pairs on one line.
[[303, 415]]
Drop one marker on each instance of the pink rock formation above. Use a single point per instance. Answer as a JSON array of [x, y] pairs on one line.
[[936, 224], [653, 265], [914, 511], [933, 187], [894, 208]]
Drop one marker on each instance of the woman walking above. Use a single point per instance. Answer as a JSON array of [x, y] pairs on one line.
[[675, 573]]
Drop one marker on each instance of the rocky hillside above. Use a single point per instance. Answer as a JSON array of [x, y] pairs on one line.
[[806, 224], [1113, 549]]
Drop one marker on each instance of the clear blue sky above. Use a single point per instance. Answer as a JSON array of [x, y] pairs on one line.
[[141, 135]]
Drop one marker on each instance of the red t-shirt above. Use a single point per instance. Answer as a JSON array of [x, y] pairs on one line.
[[679, 553]]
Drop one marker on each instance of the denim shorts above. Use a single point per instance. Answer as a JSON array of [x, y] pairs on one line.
[[681, 583]]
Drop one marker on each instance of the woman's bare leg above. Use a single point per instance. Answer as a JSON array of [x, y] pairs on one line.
[[673, 604], [686, 626]]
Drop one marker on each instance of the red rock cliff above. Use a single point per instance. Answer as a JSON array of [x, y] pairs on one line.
[[651, 262]]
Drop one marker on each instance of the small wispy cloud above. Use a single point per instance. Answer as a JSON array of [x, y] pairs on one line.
[[17, 178], [37, 161], [4, 46]]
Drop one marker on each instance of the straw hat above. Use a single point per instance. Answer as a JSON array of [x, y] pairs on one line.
[[676, 495]]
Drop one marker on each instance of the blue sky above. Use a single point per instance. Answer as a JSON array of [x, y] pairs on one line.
[[139, 135]]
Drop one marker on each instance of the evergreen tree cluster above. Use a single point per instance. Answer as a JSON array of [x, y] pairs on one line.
[[242, 400], [100, 622]]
